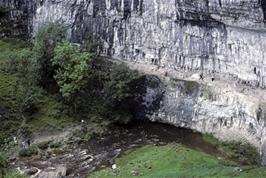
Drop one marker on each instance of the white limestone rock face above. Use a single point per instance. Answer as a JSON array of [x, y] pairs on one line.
[[224, 37], [216, 107], [221, 38], [16, 18]]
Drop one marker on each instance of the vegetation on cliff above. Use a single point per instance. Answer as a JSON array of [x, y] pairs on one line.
[[52, 83]]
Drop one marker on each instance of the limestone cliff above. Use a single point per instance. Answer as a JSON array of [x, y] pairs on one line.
[[16, 18], [230, 111], [223, 39], [219, 37]]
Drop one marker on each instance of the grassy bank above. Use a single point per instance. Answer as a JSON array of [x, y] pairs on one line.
[[174, 161], [241, 152], [47, 116]]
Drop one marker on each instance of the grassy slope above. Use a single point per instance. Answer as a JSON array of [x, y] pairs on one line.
[[244, 153], [175, 161], [149, 161], [10, 122], [49, 116], [15, 175], [7, 44]]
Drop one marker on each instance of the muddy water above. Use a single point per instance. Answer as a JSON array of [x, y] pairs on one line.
[[82, 158]]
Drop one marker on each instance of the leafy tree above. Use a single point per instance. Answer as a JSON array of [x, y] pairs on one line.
[[27, 74], [72, 68], [46, 39], [119, 98], [21, 64]]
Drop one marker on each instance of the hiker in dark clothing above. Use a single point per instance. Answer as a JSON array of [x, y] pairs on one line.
[[28, 142], [201, 76], [83, 126]]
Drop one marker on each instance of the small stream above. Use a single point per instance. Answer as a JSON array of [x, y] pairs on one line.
[[80, 159]]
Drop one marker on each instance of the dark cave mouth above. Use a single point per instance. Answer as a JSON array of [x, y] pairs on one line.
[[263, 6]]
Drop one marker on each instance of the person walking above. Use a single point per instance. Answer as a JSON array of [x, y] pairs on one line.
[[28, 142], [83, 126], [23, 144]]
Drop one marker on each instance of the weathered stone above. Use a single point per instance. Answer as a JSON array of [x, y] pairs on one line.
[[31, 171], [216, 36], [16, 18], [221, 38], [213, 36]]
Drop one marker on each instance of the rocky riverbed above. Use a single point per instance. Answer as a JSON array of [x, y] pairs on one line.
[[80, 158]]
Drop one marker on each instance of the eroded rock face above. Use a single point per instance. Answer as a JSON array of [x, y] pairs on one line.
[[213, 107], [16, 18], [221, 38], [216, 36]]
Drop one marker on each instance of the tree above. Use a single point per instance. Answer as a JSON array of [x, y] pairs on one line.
[[46, 39], [72, 68], [27, 75], [119, 97]]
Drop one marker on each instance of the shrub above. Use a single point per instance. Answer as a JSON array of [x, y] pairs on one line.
[[56, 144], [14, 175], [118, 95], [28, 152], [72, 67], [21, 64], [46, 39], [3, 164], [19, 60], [242, 152], [44, 145], [26, 131]]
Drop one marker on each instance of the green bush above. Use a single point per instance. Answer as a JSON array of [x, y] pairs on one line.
[[56, 144], [28, 152], [44, 145], [242, 152], [118, 95], [3, 164], [21, 64], [72, 68], [14, 175], [18, 60], [46, 39]]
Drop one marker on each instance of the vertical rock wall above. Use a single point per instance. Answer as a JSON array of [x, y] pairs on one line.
[[221, 37], [217, 108], [16, 18]]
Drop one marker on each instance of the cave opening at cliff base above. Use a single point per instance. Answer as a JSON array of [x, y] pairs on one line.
[[263, 6]]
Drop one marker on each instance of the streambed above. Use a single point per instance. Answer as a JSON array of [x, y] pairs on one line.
[[78, 160]]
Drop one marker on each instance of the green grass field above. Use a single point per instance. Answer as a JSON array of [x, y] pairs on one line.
[[175, 161]]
